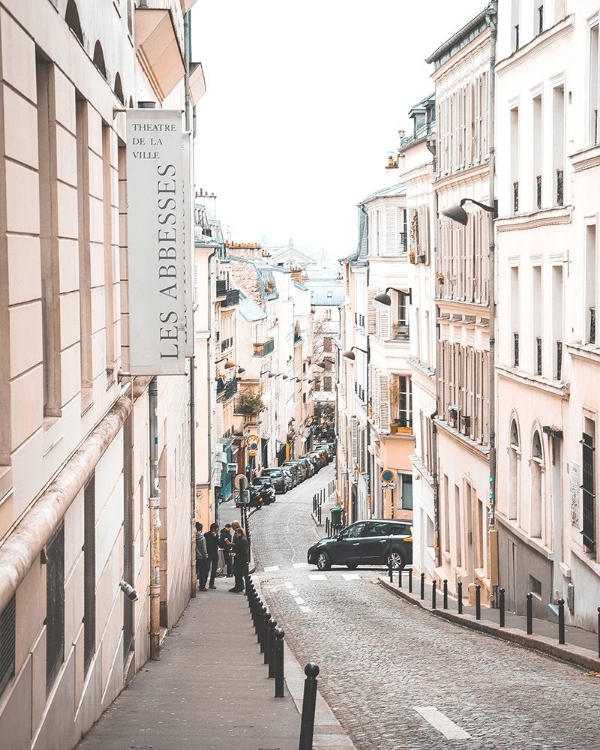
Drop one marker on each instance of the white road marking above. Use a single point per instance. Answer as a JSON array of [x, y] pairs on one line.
[[271, 568], [317, 577], [293, 592], [289, 585], [299, 600], [305, 609], [350, 576], [442, 723], [300, 565]]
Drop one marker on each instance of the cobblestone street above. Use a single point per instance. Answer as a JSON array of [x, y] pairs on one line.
[[381, 659]]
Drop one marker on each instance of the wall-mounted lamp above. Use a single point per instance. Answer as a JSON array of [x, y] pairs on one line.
[[241, 370], [385, 299], [229, 364], [350, 353], [129, 591], [458, 213]]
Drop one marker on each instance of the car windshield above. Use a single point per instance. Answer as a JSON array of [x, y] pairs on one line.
[[353, 531]]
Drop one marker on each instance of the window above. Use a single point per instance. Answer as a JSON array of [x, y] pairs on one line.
[[55, 605], [539, 18], [405, 401], [535, 525], [109, 273], [537, 150], [593, 96], [7, 643], [514, 155], [327, 383], [354, 531], [379, 529], [590, 284], [558, 139], [535, 587], [514, 456], [406, 491], [589, 485], [83, 203], [536, 317], [89, 572], [327, 344]]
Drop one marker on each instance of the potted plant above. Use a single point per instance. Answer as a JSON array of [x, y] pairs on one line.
[[394, 405], [250, 403]]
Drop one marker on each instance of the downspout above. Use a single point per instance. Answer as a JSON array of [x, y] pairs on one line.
[[434, 430], [370, 454], [491, 19], [209, 380], [154, 523]]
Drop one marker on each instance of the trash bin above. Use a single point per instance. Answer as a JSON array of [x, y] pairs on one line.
[[336, 515]]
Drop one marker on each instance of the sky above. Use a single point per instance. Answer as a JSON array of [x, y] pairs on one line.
[[303, 104]]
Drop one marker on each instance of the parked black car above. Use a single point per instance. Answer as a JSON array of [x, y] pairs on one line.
[[298, 469], [375, 542], [277, 477]]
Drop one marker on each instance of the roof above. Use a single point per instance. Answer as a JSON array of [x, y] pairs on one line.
[[392, 191], [250, 310], [462, 37], [327, 295]]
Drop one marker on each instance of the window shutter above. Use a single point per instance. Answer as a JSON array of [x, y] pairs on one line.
[[384, 401], [196, 283], [374, 389], [385, 326], [354, 439], [219, 420], [391, 231], [371, 312]]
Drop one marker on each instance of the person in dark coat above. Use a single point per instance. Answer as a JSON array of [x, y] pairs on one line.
[[225, 545], [241, 557], [201, 558], [212, 546]]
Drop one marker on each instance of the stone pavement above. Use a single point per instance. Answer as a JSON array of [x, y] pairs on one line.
[[580, 647], [211, 691]]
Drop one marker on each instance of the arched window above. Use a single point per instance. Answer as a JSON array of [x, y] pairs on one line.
[[514, 456], [72, 20], [535, 527], [99, 59], [119, 89]]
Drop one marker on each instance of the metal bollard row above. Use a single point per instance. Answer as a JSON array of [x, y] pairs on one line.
[[269, 637]]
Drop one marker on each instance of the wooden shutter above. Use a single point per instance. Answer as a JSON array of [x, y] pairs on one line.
[[385, 326], [384, 401], [391, 231], [354, 427], [371, 312]]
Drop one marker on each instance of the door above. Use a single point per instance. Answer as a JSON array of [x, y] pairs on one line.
[[345, 550], [375, 543], [511, 590]]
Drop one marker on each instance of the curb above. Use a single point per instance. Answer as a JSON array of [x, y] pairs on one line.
[[580, 657]]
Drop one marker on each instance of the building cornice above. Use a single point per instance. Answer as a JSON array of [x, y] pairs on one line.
[[479, 172], [544, 218], [523, 537], [462, 312], [478, 450], [587, 158], [535, 381], [588, 352], [543, 40]]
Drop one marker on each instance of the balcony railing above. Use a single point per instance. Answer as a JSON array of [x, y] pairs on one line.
[[515, 349], [403, 239], [297, 337], [226, 344], [221, 287], [226, 390], [559, 187], [515, 197], [359, 319], [360, 391], [538, 190], [262, 349], [559, 359], [401, 332], [232, 298], [538, 355], [592, 336]]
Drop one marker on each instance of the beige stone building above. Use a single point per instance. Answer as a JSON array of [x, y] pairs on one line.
[[95, 525]]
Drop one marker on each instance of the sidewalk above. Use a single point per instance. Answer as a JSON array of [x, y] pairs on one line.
[[211, 690], [580, 647]]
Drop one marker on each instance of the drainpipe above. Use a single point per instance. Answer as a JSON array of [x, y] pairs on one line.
[[154, 524], [210, 380], [492, 19], [436, 491]]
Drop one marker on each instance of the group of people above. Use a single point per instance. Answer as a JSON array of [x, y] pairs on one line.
[[231, 539]]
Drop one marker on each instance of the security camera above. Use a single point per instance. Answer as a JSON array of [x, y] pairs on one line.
[[128, 589]]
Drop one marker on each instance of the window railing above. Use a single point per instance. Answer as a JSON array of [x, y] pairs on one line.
[[592, 336], [221, 287], [516, 37], [297, 337], [540, 19], [538, 190], [559, 187], [538, 355], [232, 298], [559, 359], [402, 238], [262, 349], [359, 319], [515, 197], [226, 344], [515, 349]]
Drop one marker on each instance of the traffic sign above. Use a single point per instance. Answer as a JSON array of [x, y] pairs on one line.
[[387, 475]]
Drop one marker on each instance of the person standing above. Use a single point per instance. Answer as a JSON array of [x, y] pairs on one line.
[[240, 560], [225, 545], [212, 546], [201, 558]]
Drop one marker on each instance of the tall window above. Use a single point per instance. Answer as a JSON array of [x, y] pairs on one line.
[[83, 201], [588, 447], [55, 605], [590, 284], [514, 313], [513, 472], [535, 525], [89, 572], [537, 313], [538, 137], [405, 401], [558, 143], [557, 319], [514, 158], [594, 94], [7, 643], [515, 24], [109, 243], [406, 490]]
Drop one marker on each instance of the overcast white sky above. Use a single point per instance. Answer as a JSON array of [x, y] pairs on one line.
[[304, 102]]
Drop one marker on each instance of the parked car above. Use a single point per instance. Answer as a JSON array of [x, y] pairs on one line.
[[264, 485], [290, 480], [298, 468], [277, 478], [308, 465], [329, 448], [318, 460], [375, 542]]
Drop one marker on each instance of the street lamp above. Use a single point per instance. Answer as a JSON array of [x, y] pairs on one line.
[[349, 354], [385, 299], [458, 213]]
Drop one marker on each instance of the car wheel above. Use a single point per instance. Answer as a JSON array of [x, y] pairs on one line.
[[323, 561], [396, 559], [352, 566]]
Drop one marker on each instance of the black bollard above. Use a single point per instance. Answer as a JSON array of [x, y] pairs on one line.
[[561, 621], [265, 630], [390, 569], [422, 585], [529, 614], [261, 626], [410, 579], [279, 692], [309, 702], [270, 650], [459, 597], [478, 602], [599, 632], [502, 620], [433, 594], [326, 527], [445, 593], [319, 514], [400, 576]]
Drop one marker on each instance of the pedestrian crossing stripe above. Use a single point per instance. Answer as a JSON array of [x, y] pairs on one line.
[[271, 568], [305, 609], [300, 565], [317, 577]]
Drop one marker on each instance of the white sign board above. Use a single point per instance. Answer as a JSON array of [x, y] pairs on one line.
[[155, 231]]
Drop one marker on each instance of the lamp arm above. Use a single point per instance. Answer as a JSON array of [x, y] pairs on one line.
[[491, 209]]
